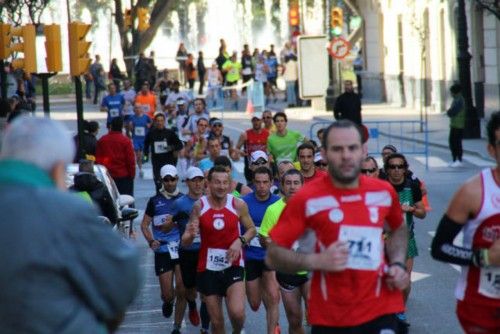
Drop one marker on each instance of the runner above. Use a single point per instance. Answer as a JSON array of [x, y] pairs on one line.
[[188, 255], [261, 282], [147, 100], [369, 167], [410, 198], [305, 154], [139, 125], [112, 104], [319, 162], [164, 241], [217, 131], [261, 159], [237, 189], [283, 144], [475, 210], [294, 287], [254, 139], [217, 218], [355, 286]]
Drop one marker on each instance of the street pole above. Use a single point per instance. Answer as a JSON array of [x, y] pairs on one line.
[[45, 91], [330, 97], [79, 108], [472, 128], [3, 79]]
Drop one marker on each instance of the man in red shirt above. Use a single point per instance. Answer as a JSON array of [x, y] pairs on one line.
[[116, 152], [305, 154], [357, 276]]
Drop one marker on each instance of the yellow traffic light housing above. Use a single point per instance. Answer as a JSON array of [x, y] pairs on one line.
[[143, 16], [52, 34], [127, 19], [27, 46], [79, 61], [4, 40], [293, 15], [337, 20]]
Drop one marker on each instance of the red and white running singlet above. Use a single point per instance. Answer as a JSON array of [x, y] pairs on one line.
[[218, 230], [482, 285]]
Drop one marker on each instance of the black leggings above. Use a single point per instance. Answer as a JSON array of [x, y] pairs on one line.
[[455, 141]]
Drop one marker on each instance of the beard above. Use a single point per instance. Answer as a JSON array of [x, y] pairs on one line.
[[341, 177]]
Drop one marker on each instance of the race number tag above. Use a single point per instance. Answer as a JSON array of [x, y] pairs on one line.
[[114, 112], [255, 240], [217, 260], [160, 219], [489, 282], [173, 249], [140, 131], [145, 108], [197, 239], [160, 147], [365, 246]]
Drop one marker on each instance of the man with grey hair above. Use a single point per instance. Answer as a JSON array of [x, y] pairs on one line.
[[70, 272]]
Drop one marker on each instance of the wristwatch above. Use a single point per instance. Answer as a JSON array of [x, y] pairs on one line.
[[400, 265], [243, 240]]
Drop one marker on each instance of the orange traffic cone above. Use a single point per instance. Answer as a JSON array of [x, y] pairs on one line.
[[425, 198], [250, 109]]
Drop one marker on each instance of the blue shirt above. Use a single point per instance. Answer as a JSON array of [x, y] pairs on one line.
[[257, 209], [272, 63], [181, 210], [159, 208], [140, 127], [114, 104]]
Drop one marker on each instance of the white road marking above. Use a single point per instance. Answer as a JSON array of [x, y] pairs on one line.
[[434, 162], [478, 161], [416, 276]]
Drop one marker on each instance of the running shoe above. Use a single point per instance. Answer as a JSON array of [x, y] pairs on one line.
[[194, 317], [167, 309]]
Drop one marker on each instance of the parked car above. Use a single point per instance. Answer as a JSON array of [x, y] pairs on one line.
[[122, 203]]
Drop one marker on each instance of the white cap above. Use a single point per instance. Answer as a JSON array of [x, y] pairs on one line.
[[256, 155], [193, 172], [317, 157], [168, 170]]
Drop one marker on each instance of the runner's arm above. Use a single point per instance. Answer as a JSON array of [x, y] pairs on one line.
[[241, 142], [397, 244], [192, 227], [246, 220], [146, 221]]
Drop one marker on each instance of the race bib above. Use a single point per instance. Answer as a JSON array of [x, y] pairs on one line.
[[145, 108], [114, 112], [173, 249], [197, 239], [489, 282], [255, 240], [160, 219], [140, 131], [365, 246], [160, 147], [217, 260], [246, 71]]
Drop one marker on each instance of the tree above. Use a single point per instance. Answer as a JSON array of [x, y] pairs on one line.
[[492, 6], [16, 10], [134, 42]]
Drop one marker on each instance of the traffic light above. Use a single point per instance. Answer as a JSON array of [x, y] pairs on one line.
[[79, 61], [293, 15], [4, 40], [143, 15], [26, 45], [52, 34], [127, 19], [337, 20]]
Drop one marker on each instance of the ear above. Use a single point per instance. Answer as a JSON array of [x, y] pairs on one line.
[[491, 151], [323, 153], [365, 150], [58, 174]]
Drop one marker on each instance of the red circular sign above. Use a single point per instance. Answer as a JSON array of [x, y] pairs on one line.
[[339, 47]]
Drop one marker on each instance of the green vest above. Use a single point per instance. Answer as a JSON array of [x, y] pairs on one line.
[[406, 197], [458, 121]]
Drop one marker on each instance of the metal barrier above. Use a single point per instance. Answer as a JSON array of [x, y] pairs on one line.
[[409, 137]]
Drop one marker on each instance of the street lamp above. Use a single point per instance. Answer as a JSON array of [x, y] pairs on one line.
[[472, 128], [330, 97]]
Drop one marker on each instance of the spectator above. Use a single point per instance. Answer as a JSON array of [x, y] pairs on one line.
[[348, 105], [190, 71], [115, 151], [291, 76], [200, 66], [141, 70], [181, 58], [97, 72], [456, 113], [89, 144], [115, 74]]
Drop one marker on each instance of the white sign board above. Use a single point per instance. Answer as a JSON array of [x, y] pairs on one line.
[[313, 66]]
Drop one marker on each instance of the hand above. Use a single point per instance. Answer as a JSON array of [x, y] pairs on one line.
[[155, 245], [166, 226], [193, 229], [397, 278], [145, 158], [234, 251], [334, 258], [494, 253], [407, 208], [263, 240]]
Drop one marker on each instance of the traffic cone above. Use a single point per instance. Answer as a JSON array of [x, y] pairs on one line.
[[425, 198], [249, 109]]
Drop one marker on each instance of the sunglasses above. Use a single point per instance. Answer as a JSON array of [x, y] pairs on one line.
[[266, 117], [217, 125], [320, 164], [366, 171], [169, 179], [259, 162], [396, 166]]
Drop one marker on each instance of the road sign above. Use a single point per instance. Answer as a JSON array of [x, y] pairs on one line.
[[339, 47]]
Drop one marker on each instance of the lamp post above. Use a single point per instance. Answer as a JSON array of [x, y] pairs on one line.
[[472, 128], [330, 97]]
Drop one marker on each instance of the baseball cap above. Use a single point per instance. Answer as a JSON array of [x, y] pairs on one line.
[[256, 155], [215, 121], [318, 157], [193, 172], [181, 101], [390, 147], [168, 170]]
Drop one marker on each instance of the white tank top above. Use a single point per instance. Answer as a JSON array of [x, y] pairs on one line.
[[479, 285], [213, 78]]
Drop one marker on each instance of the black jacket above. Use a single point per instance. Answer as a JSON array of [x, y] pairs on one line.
[[165, 140], [98, 192], [87, 148], [348, 106]]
